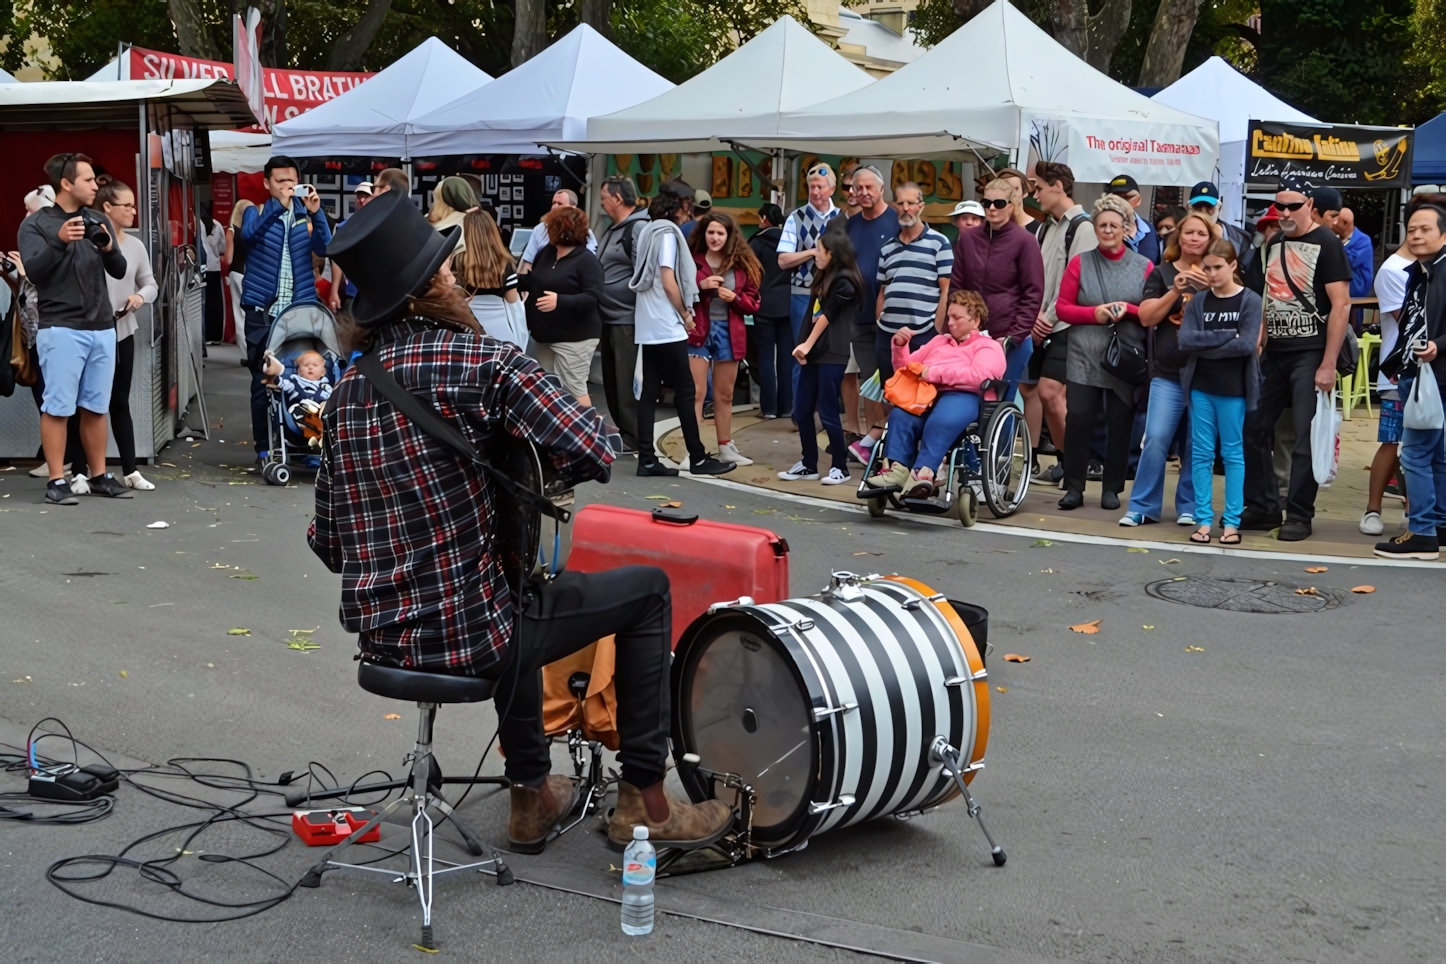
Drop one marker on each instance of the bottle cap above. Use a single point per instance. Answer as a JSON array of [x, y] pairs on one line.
[[640, 833]]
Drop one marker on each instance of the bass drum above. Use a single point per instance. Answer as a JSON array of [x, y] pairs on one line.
[[828, 705]]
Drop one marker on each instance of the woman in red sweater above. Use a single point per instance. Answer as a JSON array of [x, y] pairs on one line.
[[1100, 296], [728, 276]]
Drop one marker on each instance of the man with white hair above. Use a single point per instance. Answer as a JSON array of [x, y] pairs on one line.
[[538, 240], [797, 245]]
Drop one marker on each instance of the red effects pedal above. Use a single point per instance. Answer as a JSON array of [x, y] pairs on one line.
[[322, 828]]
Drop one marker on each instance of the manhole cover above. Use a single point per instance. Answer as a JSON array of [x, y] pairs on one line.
[[1243, 595]]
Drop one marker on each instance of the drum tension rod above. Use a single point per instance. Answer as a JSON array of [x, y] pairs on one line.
[[943, 754]]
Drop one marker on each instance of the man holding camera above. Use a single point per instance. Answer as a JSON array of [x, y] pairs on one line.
[[279, 239], [68, 251]]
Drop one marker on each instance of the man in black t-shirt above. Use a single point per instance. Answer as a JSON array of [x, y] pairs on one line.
[[1307, 301]]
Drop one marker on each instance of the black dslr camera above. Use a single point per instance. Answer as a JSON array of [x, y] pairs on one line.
[[97, 232]]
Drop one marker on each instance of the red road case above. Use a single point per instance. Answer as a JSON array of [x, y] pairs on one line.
[[707, 562]]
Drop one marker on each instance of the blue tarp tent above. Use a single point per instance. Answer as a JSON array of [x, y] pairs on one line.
[[1428, 154]]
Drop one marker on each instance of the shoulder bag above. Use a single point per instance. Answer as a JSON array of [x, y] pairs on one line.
[[1349, 355], [1122, 359]]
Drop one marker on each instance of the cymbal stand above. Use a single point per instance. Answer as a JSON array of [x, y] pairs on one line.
[[948, 758]]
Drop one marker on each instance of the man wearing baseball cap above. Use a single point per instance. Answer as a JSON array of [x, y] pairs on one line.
[[967, 214], [1205, 199], [1142, 238]]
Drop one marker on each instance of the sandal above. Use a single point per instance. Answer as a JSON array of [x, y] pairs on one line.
[[1230, 537], [1201, 536]]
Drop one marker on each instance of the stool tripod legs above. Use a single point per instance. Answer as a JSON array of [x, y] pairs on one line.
[[948, 757]]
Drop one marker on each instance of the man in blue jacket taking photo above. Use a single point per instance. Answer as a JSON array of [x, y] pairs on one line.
[[279, 239]]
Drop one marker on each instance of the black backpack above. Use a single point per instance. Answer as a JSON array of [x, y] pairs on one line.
[[1069, 232]]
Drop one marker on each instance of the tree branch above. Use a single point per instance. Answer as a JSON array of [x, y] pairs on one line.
[[1071, 26], [1106, 29], [1165, 54], [191, 33], [353, 45], [529, 30]]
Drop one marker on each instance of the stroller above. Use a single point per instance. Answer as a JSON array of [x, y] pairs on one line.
[[303, 327]]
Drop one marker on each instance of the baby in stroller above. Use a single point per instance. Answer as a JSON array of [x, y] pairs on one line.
[[301, 363], [303, 393]]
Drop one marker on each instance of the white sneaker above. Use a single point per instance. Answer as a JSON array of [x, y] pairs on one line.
[[42, 471], [834, 477], [79, 486], [137, 481], [1185, 519], [728, 452], [1371, 524], [798, 474]]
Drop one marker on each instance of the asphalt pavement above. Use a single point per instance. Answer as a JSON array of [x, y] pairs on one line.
[[1184, 785]]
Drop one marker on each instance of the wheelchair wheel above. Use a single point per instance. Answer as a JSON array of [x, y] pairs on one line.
[[1005, 459], [877, 507], [965, 504]]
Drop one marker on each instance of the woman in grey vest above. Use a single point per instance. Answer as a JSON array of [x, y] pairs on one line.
[[1100, 295]]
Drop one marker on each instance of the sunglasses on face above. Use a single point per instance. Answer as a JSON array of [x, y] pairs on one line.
[[1291, 207], [997, 202]]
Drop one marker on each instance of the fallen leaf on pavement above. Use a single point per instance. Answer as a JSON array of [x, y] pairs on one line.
[[1040, 543], [1002, 689], [392, 716], [658, 498], [1307, 592], [1169, 562], [763, 511], [243, 575], [158, 525], [238, 631], [1194, 649], [1136, 549], [220, 565], [730, 507], [1015, 658], [303, 646], [1089, 629], [125, 675], [1364, 589], [671, 505], [1316, 568], [868, 553], [1147, 627]]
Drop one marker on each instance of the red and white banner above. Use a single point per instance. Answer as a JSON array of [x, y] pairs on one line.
[[1162, 154], [250, 75], [287, 93]]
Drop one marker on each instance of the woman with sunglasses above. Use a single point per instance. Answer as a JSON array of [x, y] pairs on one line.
[[1100, 297]]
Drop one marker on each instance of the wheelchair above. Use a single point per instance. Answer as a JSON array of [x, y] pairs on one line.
[[988, 463]]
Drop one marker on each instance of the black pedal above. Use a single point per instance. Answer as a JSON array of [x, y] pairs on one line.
[[68, 783]]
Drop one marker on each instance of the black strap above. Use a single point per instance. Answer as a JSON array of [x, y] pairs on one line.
[[1285, 270], [429, 420]]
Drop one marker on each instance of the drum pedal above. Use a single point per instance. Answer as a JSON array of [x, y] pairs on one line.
[[322, 828]]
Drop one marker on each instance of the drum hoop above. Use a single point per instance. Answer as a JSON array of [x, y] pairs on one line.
[[800, 825], [971, 657]]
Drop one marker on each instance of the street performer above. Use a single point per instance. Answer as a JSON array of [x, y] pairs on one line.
[[411, 527]]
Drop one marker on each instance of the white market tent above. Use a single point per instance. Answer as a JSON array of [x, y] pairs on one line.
[[239, 152], [6, 77], [547, 99], [1216, 89], [743, 95], [1000, 84], [375, 117]]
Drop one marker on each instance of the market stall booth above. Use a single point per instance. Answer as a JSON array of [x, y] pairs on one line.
[[1218, 91], [151, 134]]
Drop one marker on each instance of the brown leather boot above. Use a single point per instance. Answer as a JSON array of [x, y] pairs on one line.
[[688, 827], [536, 812]]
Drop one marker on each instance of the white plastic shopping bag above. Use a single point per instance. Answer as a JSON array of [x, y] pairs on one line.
[[1423, 407], [1325, 428]]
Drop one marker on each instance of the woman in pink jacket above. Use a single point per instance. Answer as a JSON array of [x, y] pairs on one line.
[[957, 362]]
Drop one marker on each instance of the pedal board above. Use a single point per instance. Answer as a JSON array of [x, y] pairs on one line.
[[322, 828], [70, 783]]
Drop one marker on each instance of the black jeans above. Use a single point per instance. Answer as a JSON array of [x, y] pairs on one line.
[[668, 363], [1083, 404], [1287, 379], [563, 616], [774, 339], [619, 360], [258, 329], [120, 404]]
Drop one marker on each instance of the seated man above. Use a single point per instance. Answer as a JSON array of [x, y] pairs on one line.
[[412, 529], [957, 363]]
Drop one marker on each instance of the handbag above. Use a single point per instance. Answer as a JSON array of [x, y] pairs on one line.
[[1122, 359], [908, 391], [21, 368]]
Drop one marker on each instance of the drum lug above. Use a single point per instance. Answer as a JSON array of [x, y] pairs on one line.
[[846, 586], [823, 713], [912, 606], [801, 625], [740, 601], [844, 800], [980, 676]]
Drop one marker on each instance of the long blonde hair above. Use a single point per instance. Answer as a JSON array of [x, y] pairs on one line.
[[486, 262]]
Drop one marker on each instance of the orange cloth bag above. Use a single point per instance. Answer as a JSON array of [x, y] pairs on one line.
[[908, 391], [598, 715]]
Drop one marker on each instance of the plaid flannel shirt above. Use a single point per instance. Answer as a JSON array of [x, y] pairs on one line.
[[407, 522]]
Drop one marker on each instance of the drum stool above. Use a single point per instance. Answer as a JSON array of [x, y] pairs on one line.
[[422, 788]]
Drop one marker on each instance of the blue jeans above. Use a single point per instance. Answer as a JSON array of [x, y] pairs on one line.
[[1016, 363], [776, 367], [797, 314], [1164, 419], [923, 440], [1222, 417], [818, 388], [1423, 462]]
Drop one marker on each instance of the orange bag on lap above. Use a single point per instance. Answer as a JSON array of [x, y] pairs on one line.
[[908, 391]]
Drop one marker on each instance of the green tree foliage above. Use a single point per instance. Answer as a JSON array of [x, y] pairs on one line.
[[83, 34]]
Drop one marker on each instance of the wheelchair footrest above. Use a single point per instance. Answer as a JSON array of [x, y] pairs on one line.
[[865, 493], [927, 506]]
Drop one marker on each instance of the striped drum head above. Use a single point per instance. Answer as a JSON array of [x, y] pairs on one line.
[[828, 705]]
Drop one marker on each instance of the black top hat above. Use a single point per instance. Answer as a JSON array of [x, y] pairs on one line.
[[390, 252]]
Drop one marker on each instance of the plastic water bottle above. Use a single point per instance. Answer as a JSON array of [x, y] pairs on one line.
[[640, 865]]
